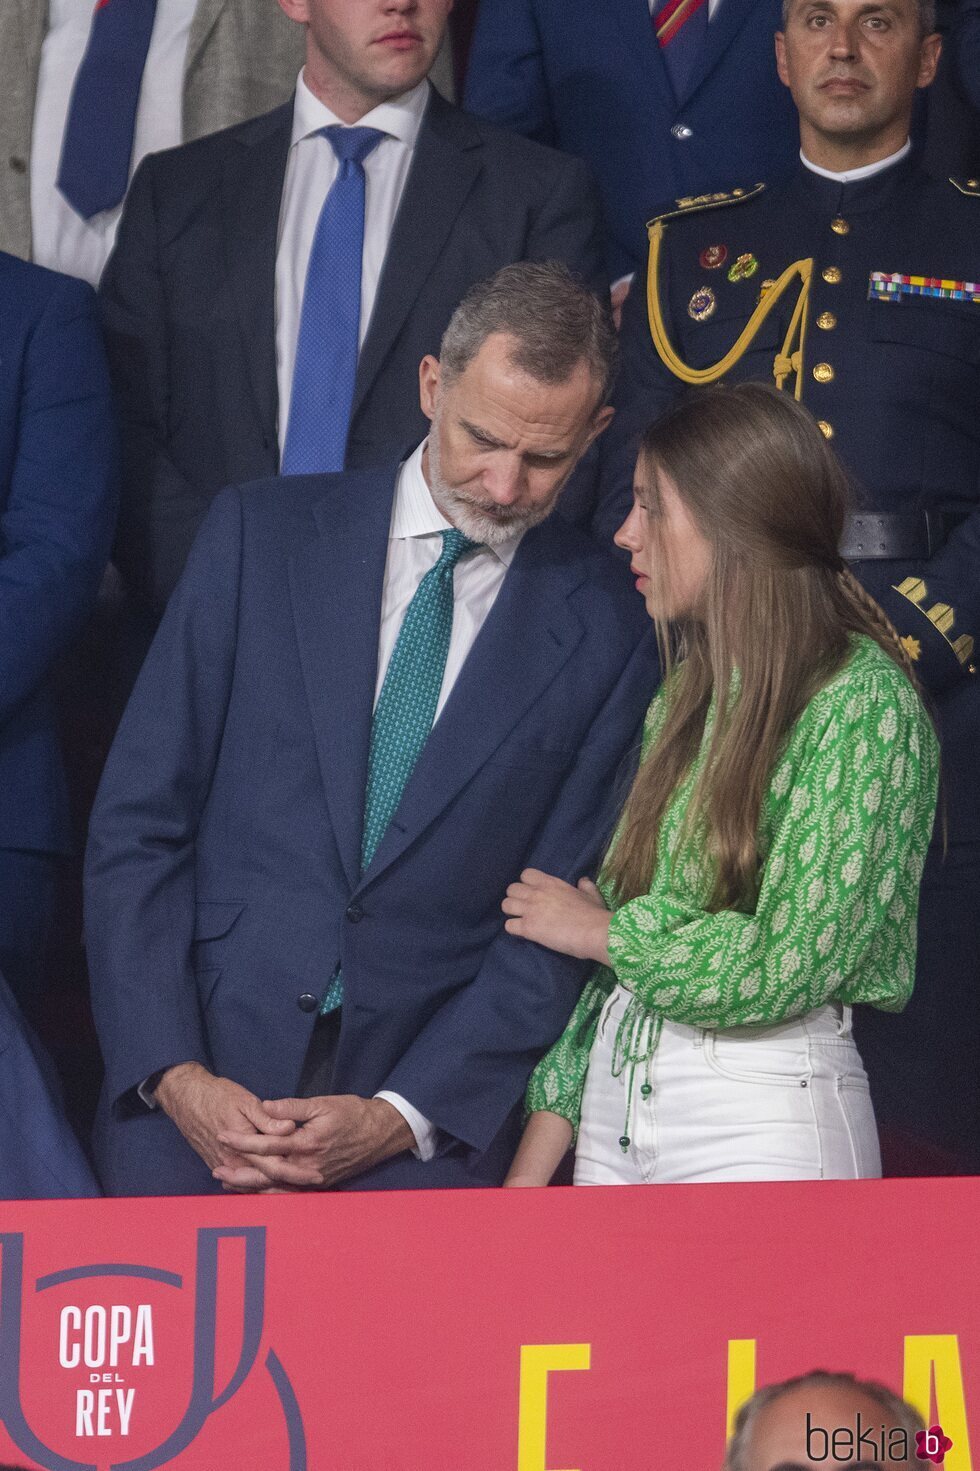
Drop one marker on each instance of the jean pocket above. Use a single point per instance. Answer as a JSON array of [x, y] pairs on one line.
[[759, 1058], [859, 1120]]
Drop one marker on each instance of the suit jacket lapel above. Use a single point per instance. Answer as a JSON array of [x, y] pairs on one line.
[[336, 588], [251, 193], [722, 29], [637, 26], [529, 635], [445, 166], [205, 18]]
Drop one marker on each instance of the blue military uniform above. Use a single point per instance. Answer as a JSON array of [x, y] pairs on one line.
[[873, 320]]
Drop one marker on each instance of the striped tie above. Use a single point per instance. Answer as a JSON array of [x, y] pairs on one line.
[[681, 27]]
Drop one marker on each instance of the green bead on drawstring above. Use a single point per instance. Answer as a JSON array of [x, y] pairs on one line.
[[624, 1143]]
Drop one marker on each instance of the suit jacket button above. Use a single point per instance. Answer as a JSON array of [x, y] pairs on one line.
[[682, 132], [307, 1002], [355, 913]]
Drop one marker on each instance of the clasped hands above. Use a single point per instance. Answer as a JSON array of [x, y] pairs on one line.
[[280, 1144], [572, 919]]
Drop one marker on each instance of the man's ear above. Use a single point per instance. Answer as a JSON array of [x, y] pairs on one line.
[[929, 55], [428, 384], [600, 422], [779, 41], [297, 10]]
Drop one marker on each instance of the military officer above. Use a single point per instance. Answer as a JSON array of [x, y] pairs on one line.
[[856, 286]]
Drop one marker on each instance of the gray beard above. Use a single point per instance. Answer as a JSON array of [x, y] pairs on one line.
[[473, 520]]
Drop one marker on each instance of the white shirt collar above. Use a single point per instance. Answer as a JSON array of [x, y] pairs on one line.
[[867, 171], [400, 117], [415, 513]]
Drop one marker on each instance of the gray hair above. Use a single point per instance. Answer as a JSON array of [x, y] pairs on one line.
[[905, 1416], [926, 9], [555, 320]]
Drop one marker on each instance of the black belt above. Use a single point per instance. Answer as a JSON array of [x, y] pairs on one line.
[[905, 536]]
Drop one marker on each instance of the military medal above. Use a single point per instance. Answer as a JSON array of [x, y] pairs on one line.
[[885, 286], [702, 304], [713, 256], [742, 268]]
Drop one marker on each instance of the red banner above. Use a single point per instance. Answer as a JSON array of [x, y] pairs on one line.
[[472, 1331]]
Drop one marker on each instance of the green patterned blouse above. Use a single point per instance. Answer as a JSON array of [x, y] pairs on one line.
[[843, 834]]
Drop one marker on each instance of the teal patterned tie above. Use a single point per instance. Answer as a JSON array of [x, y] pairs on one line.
[[407, 705]]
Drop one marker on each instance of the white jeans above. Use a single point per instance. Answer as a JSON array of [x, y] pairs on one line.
[[783, 1102]]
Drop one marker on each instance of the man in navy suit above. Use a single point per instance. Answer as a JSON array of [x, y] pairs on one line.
[[685, 115], [206, 296], [57, 510], [293, 886]]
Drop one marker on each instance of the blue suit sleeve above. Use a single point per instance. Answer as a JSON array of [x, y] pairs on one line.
[[469, 1067], [139, 870], [937, 610], [505, 77], [56, 525]]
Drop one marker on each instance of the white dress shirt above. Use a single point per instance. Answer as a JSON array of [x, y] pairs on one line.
[[62, 239], [310, 171], [866, 171], [414, 547]]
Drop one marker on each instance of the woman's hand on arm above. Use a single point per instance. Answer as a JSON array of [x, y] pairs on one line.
[[547, 1139], [572, 920]]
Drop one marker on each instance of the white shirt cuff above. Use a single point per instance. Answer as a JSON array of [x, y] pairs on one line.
[[146, 1090], [623, 281], [426, 1133]]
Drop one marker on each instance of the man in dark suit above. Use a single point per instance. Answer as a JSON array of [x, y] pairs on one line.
[[228, 301], [58, 467], [288, 892], [654, 119], [854, 286]]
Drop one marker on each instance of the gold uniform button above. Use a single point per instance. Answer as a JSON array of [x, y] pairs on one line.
[[832, 275], [823, 372], [827, 430], [840, 227], [827, 321]]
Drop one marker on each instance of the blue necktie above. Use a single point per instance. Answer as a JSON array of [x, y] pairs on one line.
[[98, 146], [326, 352], [407, 705], [682, 29]]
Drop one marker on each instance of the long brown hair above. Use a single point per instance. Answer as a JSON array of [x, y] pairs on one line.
[[766, 491]]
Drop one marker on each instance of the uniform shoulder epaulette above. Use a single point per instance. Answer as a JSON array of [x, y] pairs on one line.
[[970, 187], [693, 204]]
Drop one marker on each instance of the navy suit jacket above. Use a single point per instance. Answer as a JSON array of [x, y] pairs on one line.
[[223, 874], [188, 304], [57, 511], [40, 1159], [590, 78]]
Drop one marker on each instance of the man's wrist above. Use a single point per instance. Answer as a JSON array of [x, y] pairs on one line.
[[395, 1133], [170, 1082]]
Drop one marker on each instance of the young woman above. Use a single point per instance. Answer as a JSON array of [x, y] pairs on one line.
[[764, 876]]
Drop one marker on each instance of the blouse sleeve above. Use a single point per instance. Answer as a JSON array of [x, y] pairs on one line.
[[558, 1081], [855, 798]]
